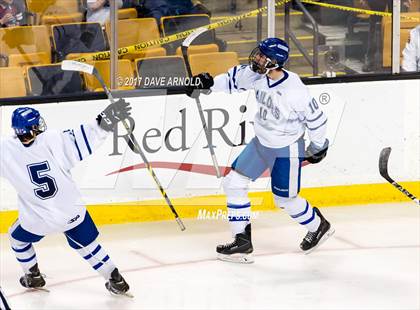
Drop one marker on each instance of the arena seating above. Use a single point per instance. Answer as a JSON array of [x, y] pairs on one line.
[[127, 13], [30, 43], [155, 67], [213, 63], [176, 24], [51, 80], [77, 38], [12, 82], [137, 30], [125, 73], [29, 59], [50, 12], [199, 49]]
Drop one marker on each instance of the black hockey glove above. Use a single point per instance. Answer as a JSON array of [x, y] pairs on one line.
[[113, 114], [200, 83], [315, 154]]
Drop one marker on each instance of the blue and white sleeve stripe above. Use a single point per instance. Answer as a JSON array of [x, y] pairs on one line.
[[70, 134], [82, 129], [85, 139], [316, 121]]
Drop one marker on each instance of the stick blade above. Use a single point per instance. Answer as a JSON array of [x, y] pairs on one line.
[[72, 65], [383, 163], [187, 42]]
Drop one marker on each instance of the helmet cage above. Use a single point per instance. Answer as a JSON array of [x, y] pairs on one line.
[[260, 63], [28, 134]]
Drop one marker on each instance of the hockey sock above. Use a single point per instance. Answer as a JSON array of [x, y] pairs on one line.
[[299, 210], [235, 186], [96, 256], [25, 254], [239, 217]]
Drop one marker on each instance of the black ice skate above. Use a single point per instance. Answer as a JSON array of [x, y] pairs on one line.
[[314, 239], [239, 250], [117, 285], [34, 279]]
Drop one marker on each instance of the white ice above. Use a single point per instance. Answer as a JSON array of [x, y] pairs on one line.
[[372, 262]]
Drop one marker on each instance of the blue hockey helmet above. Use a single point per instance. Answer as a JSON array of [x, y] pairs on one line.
[[271, 53], [27, 123]]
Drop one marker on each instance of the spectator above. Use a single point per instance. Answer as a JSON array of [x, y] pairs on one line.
[[372, 60], [159, 8], [11, 13], [98, 10], [130, 4], [411, 53]]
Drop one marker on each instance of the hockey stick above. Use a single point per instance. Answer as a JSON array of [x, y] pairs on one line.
[[71, 65], [383, 170], [185, 45]]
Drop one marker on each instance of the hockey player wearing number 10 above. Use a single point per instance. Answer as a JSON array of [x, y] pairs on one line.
[[37, 163], [285, 111]]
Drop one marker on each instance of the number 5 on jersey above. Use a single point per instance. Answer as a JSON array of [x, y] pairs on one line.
[[46, 185]]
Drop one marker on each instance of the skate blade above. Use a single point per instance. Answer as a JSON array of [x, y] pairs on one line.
[[324, 238], [236, 258], [38, 289], [127, 294]]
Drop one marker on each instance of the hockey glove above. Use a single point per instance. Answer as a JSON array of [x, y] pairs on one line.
[[315, 154], [113, 114], [200, 83]]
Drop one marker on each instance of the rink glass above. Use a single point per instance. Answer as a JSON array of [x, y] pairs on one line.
[[348, 43], [409, 20]]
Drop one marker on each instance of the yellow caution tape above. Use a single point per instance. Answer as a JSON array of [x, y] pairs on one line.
[[230, 20], [347, 8], [357, 10], [175, 37]]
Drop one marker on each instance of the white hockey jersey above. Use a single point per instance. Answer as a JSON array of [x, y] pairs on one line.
[[285, 107], [48, 198], [411, 52]]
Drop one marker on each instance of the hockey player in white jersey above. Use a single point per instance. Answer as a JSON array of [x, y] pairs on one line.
[[3, 301], [285, 111], [38, 163]]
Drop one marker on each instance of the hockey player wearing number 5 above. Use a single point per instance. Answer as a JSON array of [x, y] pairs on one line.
[[285, 111], [38, 163]]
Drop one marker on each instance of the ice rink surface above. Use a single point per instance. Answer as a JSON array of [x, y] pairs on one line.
[[372, 262]]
